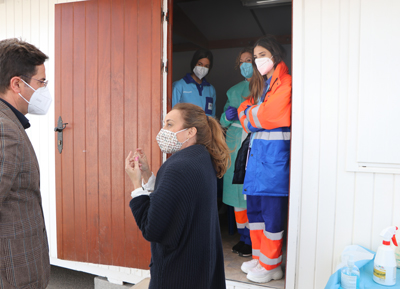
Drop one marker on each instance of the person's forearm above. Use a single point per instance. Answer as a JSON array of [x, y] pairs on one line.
[[146, 176]]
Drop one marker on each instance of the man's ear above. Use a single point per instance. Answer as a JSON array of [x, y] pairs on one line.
[[15, 84]]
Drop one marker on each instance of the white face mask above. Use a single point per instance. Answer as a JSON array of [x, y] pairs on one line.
[[168, 142], [264, 65], [200, 71], [40, 101]]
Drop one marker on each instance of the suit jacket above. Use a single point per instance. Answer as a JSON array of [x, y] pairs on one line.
[[24, 253]]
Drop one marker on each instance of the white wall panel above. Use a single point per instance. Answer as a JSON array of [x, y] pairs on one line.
[[344, 180], [378, 133], [382, 207], [363, 200], [311, 71], [338, 206], [3, 20], [396, 202], [328, 139]]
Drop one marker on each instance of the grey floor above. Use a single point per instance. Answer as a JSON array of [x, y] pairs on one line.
[[234, 261], [61, 278]]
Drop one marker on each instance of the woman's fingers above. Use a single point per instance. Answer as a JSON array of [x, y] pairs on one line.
[[128, 160], [136, 161]]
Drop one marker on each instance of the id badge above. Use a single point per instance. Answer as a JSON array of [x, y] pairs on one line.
[[209, 105]]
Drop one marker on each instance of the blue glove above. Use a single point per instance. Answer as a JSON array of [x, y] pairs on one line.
[[247, 108], [231, 113]]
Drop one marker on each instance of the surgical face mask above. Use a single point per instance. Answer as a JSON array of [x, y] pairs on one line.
[[40, 101], [200, 71], [168, 142], [246, 69], [264, 65]]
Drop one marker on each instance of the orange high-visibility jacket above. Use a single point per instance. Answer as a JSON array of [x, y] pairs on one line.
[[275, 111]]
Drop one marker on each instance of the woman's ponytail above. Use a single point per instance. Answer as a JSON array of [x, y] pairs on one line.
[[218, 148], [209, 133]]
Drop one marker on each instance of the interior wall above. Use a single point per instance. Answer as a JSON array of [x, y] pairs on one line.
[[223, 74]]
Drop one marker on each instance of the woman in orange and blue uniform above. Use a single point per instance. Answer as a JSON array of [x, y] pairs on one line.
[[266, 114]]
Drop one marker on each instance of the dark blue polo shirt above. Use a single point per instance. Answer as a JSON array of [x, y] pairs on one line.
[[22, 119]]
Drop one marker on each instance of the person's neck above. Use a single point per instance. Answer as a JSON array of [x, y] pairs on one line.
[[198, 80], [269, 74], [11, 100]]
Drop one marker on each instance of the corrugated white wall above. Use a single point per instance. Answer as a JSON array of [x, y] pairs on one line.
[[331, 206], [33, 21]]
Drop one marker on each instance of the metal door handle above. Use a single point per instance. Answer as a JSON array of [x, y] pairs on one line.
[[59, 129]]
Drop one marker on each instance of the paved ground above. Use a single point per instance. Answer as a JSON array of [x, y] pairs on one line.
[[62, 278]]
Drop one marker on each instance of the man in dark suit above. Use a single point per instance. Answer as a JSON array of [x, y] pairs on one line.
[[24, 253]]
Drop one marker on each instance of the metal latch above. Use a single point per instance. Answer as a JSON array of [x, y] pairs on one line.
[[59, 129]]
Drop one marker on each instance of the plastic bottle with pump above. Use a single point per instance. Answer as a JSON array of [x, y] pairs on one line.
[[385, 260], [350, 274]]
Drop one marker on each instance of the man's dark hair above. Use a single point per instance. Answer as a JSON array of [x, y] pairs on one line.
[[18, 58], [200, 54]]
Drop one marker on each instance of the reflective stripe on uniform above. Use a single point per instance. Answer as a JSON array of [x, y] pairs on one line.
[[257, 226], [241, 114], [269, 264], [236, 125], [242, 226], [246, 124], [272, 135], [268, 261], [255, 253], [273, 236], [254, 112], [239, 209]]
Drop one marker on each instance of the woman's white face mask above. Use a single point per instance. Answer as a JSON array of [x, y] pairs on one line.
[[40, 101], [200, 71], [168, 142], [264, 65]]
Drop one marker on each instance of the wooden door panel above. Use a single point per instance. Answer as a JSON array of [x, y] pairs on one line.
[[104, 140], [92, 132], [79, 131], [108, 90]]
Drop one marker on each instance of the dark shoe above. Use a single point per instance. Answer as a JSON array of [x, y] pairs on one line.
[[237, 248], [245, 251]]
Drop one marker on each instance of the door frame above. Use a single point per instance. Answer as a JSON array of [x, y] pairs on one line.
[[296, 141]]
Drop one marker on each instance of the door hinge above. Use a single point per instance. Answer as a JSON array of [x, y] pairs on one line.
[[165, 16], [164, 65]]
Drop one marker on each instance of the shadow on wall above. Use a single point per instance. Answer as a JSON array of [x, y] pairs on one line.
[[223, 75]]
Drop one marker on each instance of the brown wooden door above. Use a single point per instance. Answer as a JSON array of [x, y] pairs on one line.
[[108, 79]]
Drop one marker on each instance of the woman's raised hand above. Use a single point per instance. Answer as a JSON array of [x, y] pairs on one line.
[[144, 164], [132, 168]]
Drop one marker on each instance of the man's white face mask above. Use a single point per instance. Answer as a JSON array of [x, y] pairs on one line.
[[40, 101]]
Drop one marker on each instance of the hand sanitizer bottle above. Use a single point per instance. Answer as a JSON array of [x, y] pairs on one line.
[[385, 260], [350, 275]]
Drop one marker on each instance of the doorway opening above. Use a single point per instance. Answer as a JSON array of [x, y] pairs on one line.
[[225, 27]]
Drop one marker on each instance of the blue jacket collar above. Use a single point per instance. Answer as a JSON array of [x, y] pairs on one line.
[[189, 79]]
